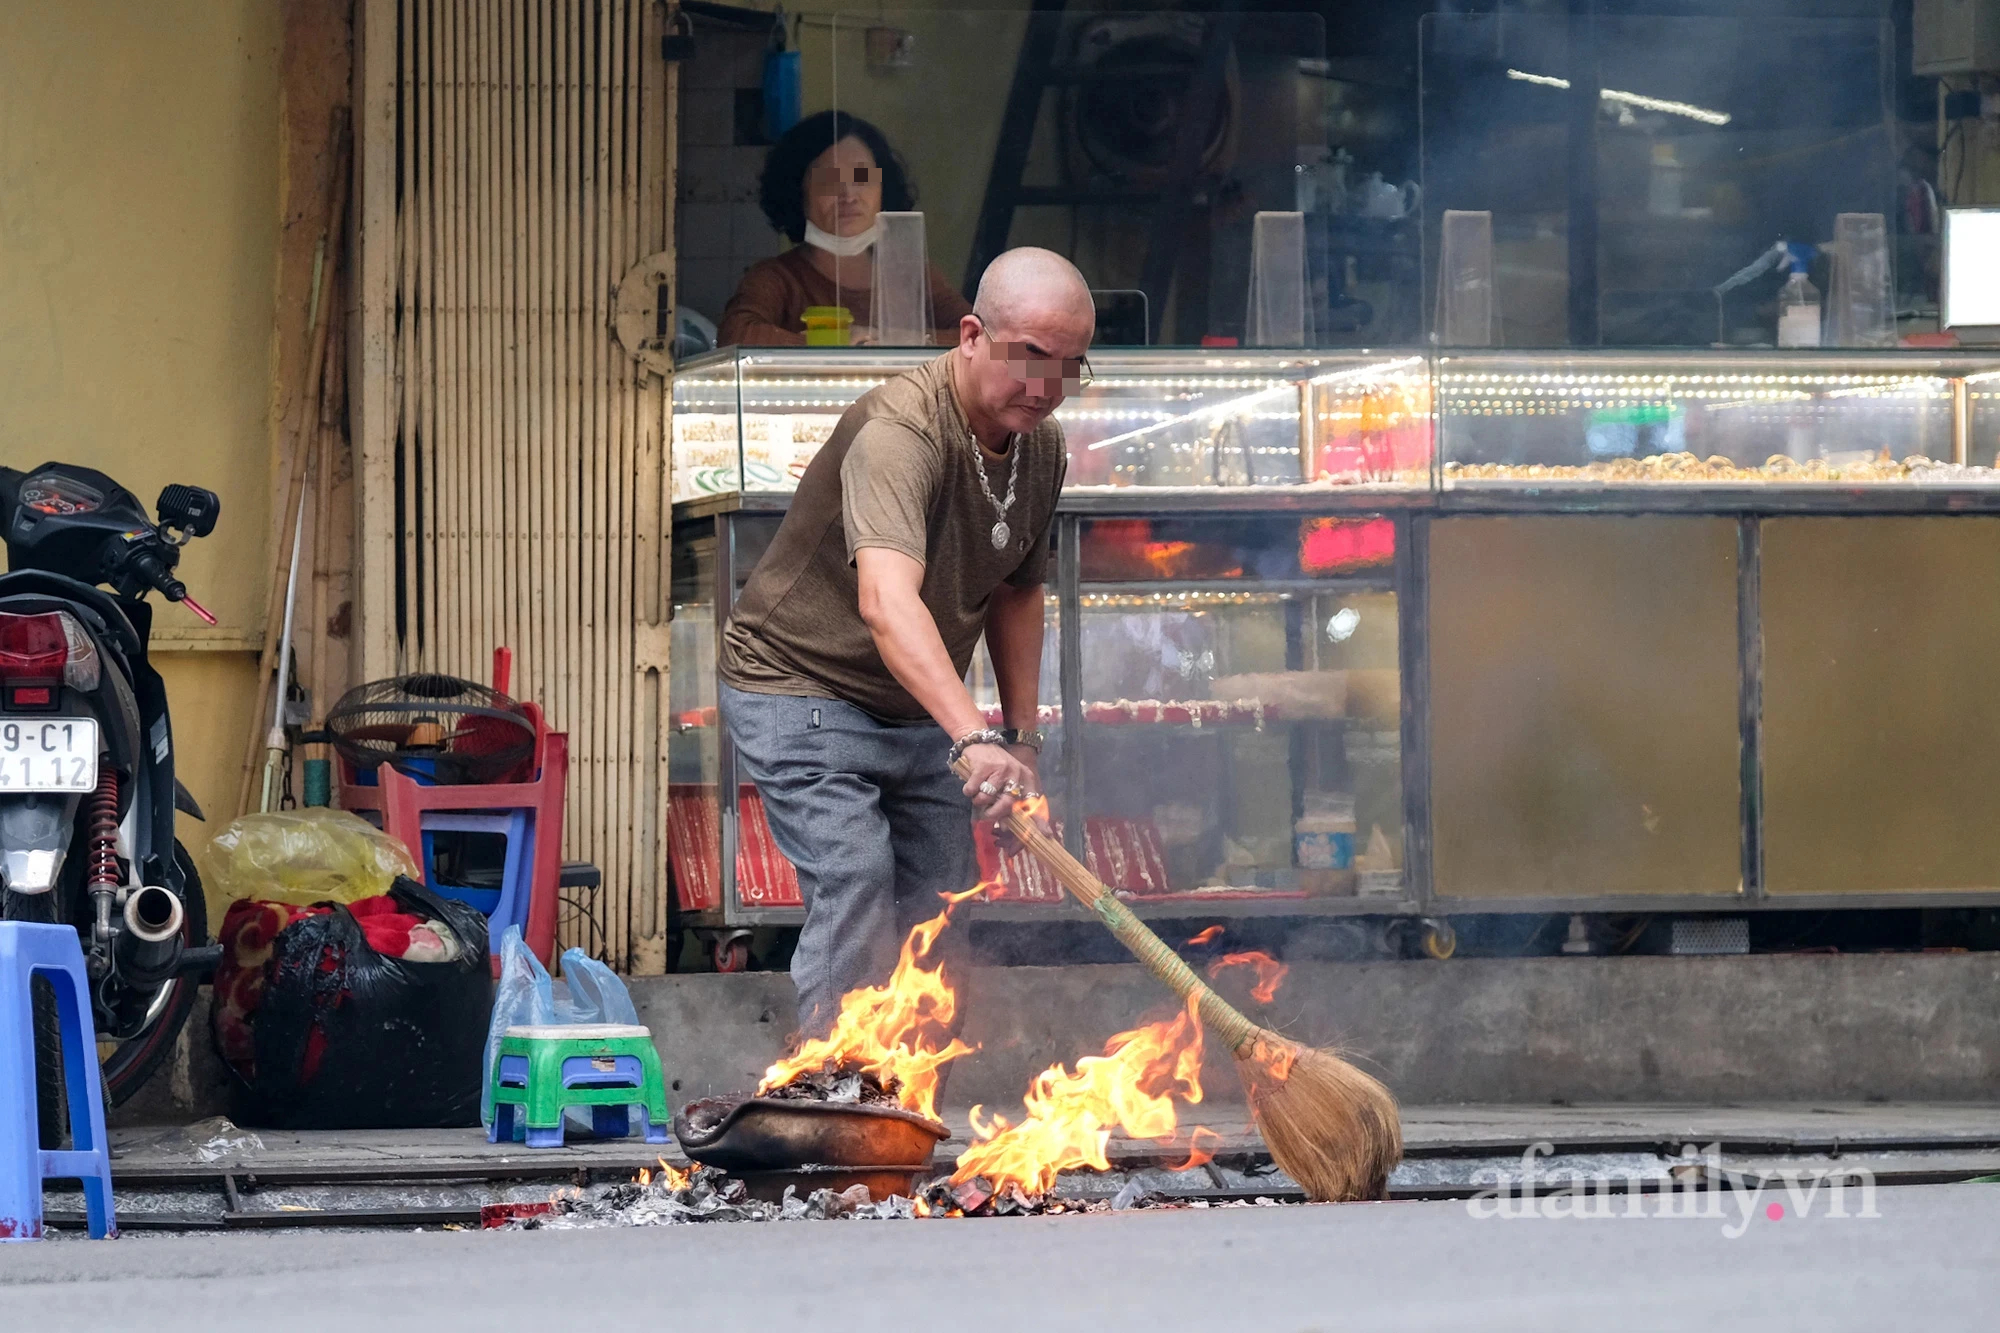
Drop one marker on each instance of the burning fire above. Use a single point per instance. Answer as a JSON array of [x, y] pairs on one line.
[[1198, 1155], [895, 1032], [670, 1177], [1070, 1114], [1208, 936], [1270, 972]]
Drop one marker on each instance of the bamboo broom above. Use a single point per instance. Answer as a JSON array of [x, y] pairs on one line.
[[1329, 1126]]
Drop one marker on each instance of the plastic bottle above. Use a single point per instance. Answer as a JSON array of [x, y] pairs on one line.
[[1798, 304], [1663, 189]]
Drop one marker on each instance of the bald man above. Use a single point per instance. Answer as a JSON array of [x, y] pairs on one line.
[[922, 523]]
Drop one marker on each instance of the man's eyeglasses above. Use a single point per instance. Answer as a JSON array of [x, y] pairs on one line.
[[1029, 362]]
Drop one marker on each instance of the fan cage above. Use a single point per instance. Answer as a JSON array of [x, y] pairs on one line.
[[435, 728]]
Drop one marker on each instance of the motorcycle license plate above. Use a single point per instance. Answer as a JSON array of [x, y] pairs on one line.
[[48, 754]]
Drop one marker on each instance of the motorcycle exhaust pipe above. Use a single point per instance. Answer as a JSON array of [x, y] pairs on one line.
[[150, 944]]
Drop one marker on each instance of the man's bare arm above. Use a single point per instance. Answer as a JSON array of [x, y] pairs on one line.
[[892, 606], [1014, 630]]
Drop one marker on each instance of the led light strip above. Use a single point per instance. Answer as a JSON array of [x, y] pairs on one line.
[[1640, 100]]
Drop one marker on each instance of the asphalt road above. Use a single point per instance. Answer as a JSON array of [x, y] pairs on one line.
[[1930, 1260]]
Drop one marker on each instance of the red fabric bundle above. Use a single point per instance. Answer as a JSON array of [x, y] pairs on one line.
[[248, 937]]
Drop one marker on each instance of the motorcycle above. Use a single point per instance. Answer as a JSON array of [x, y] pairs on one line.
[[88, 795]]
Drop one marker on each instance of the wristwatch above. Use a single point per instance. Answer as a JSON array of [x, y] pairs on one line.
[[1015, 736]]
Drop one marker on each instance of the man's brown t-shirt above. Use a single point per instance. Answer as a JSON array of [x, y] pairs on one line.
[[898, 472]]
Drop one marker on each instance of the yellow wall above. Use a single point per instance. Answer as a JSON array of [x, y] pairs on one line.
[[138, 242]]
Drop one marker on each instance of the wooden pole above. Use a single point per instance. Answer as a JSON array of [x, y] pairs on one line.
[[372, 411], [447, 536], [297, 456], [333, 388], [568, 247], [488, 462], [654, 210], [514, 170], [617, 636], [540, 673]]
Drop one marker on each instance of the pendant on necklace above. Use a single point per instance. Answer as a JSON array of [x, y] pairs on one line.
[[1001, 534]]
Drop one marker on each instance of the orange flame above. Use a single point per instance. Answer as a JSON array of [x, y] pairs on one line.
[[1198, 1155], [1070, 1115], [1207, 936], [892, 1031], [1270, 972], [1035, 807], [1274, 1058]]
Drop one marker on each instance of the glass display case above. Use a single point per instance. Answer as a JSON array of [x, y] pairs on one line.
[[1240, 701], [1301, 664], [1237, 682], [1817, 419], [748, 420]]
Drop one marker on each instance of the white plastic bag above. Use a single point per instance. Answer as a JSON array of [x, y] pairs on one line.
[[527, 996]]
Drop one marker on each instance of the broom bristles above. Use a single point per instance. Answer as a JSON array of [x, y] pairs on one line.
[[1330, 1126]]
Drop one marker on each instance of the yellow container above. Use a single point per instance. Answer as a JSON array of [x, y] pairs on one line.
[[827, 325]]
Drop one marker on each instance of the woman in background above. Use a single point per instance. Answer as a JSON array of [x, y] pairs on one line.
[[824, 184]]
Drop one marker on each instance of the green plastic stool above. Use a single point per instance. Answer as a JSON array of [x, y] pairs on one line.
[[608, 1067]]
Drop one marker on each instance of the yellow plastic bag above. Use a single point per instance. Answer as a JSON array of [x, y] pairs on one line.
[[306, 856]]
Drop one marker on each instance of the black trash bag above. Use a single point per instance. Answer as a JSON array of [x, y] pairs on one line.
[[399, 1044]]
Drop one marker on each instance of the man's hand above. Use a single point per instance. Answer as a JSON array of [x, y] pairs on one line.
[[998, 778]]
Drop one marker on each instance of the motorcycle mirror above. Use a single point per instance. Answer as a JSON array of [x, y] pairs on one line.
[[189, 508]]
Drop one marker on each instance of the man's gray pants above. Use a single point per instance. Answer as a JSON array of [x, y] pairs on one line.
[[876, 823]]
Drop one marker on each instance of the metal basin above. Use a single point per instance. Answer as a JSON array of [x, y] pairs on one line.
[[765, 1134]]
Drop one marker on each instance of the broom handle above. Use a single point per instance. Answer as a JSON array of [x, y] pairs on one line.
[[1235, 1031]]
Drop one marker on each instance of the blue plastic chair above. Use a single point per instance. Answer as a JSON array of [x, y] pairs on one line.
[[508, 905], [28, 948]]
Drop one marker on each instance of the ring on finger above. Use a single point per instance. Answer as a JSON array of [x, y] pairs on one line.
[[1014, 789], [988, 789]]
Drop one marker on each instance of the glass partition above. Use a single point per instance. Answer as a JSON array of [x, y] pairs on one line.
[[1139, 143], [1632, 165]]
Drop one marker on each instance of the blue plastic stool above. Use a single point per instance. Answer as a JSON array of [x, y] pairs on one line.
[[27, 948], [507, 906]]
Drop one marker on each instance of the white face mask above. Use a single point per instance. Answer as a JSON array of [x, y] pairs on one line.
[[844, 246]]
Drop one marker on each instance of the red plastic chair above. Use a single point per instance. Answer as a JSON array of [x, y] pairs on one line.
[[401, 802]]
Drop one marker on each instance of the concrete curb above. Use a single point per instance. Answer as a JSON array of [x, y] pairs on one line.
[[1763, 1028], [1781, 1027]]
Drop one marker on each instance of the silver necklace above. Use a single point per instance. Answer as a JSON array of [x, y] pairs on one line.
[[1002, 534]]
